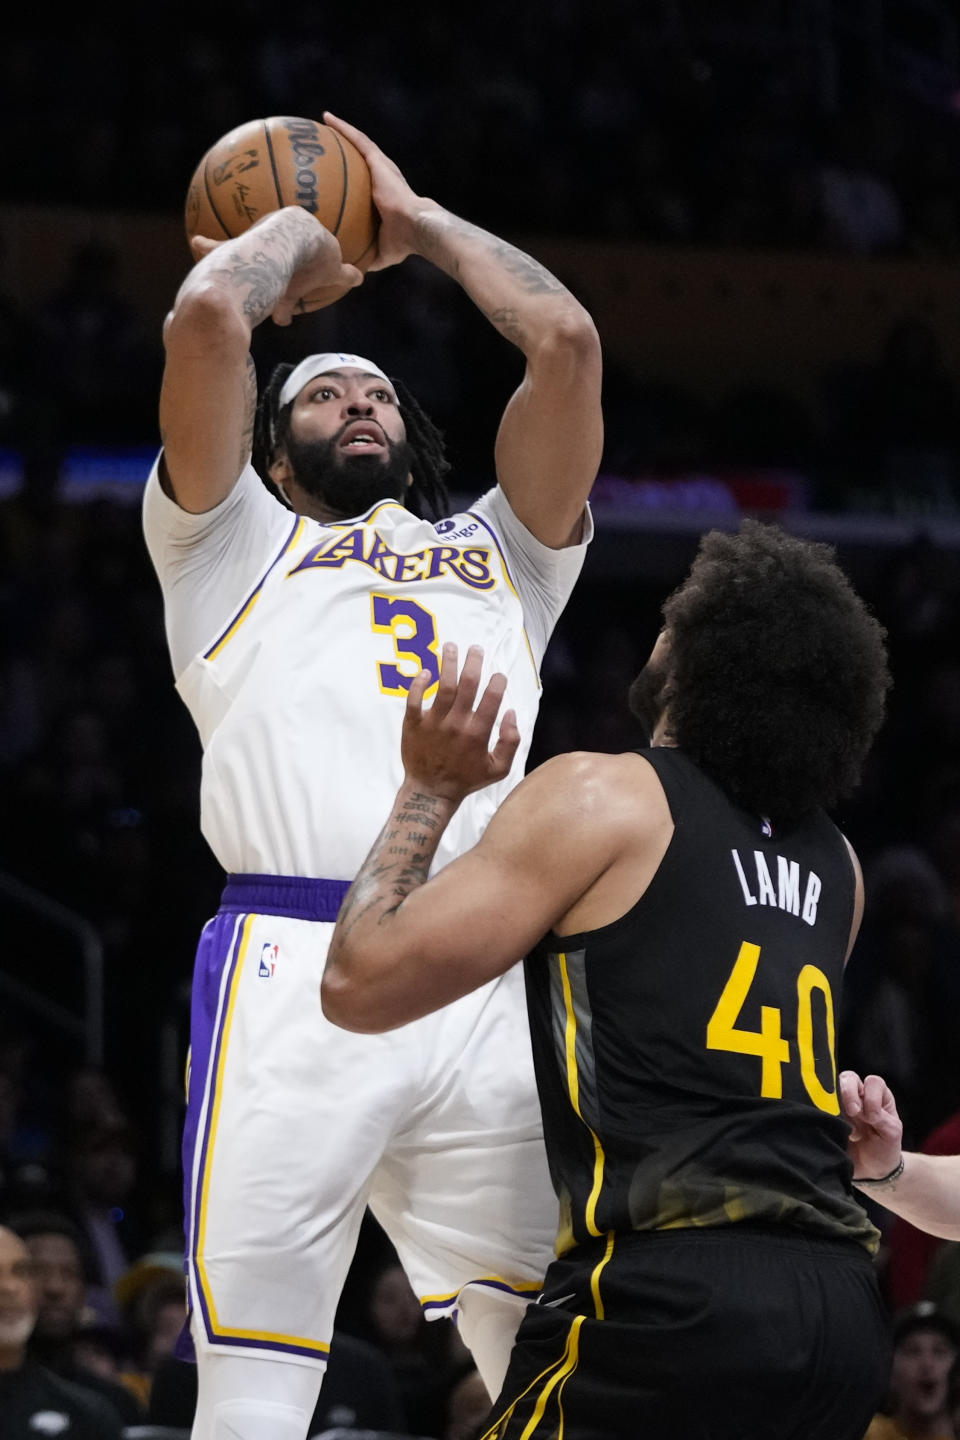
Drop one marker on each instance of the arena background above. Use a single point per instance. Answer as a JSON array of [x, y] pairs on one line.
[[757, 201]]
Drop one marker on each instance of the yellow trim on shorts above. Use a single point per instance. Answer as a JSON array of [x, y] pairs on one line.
[[563, 1369], [573, 1085], [573, 1347], [223, 1331]]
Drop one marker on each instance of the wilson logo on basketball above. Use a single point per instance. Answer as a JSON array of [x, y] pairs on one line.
[[265, 164], [305, 149]]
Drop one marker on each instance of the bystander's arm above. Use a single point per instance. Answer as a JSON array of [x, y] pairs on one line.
[[922, 1189]]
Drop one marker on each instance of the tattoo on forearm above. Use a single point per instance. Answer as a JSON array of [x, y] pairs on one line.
[[419, 806], [532, 277], [410, 877], [398, 864], [266, 272], [508, 323]]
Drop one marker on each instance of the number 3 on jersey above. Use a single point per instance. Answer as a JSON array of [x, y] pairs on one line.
[[414, 633], [767, 1042]]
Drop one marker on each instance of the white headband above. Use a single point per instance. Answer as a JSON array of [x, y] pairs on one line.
[[315, 365]]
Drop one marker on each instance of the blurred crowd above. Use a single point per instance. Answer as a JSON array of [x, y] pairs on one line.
[[683, 122]]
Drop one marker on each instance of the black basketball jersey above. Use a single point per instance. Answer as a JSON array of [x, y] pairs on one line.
[[685, 1053]]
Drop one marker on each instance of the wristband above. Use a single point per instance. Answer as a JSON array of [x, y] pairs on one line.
[[895, 1174]]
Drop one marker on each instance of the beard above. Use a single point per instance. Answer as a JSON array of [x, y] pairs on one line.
[[647, 697], [349, 482]]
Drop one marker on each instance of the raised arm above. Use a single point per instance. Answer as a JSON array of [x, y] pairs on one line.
[[578, 831], [208, 395], [550, 439], [923, 1189]]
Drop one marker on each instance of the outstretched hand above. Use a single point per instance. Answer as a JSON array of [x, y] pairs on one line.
[[446, 747], [876, 1137], [397, 204]]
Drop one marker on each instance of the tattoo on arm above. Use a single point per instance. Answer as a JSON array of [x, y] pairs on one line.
[[434, 239], [507, 321], [398, 863], [513, 279], [265, 274], [532, 277]]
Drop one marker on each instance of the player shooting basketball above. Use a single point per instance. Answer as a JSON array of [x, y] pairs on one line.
[[294, 635]]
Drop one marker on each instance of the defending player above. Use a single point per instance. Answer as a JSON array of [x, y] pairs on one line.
[[294, 638], [686, 912]]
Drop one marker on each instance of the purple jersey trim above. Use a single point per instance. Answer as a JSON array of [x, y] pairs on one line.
[[238, 616], [500, 550]]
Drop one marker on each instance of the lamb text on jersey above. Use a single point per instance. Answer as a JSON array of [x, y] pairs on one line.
[[759, 888]]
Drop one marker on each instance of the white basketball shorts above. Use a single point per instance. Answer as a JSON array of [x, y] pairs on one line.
[[294, 1126]]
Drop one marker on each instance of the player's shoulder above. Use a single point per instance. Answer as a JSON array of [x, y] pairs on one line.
[[613, 788], [600, 768]]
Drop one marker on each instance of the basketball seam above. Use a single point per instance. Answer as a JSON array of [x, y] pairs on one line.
[[273, 164], [209, 194], [364, 252], [343, 198]]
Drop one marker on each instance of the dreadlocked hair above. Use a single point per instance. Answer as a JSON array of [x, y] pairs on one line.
[[427, 497], [270, 426], [429, 464]]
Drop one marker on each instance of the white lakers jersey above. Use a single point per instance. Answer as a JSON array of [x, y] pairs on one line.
[[294, 644]]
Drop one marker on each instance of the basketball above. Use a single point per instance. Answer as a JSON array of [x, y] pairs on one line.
[[263, 165]]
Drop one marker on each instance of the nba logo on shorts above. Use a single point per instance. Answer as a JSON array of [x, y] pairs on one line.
[[268, 960]]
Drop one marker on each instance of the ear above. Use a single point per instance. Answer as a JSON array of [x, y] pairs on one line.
[[279, 469], [409, 480]]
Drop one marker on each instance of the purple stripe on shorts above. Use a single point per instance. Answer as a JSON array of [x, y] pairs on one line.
[[437, 1309], [213, 951], [297, 896], [219, 947]]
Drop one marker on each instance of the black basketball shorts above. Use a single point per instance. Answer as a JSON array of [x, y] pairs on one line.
[[740, 1333]]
